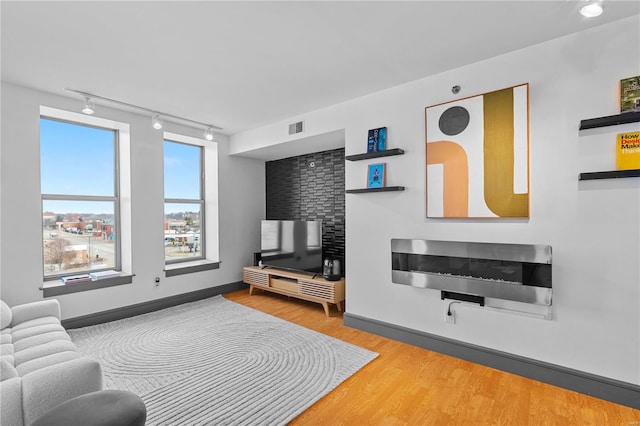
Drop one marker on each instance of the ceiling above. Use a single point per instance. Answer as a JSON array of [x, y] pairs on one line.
[[242, 65]]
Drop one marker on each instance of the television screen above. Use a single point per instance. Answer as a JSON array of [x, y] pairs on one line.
[[292, 244]]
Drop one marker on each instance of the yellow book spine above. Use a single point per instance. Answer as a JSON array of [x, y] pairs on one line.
[[628, 151]]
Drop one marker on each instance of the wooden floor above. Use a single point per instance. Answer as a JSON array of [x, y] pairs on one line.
[[407, 385]]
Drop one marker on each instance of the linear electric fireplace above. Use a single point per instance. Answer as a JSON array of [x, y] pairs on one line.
[[518, 272]]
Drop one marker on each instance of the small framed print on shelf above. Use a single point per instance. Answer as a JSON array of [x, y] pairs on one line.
[[376, 176]]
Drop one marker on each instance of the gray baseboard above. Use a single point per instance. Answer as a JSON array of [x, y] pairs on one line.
[[590, 384], [150, 306]]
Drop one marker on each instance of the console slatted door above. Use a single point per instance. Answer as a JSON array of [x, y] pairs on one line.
[[318, 289], [250, 276]]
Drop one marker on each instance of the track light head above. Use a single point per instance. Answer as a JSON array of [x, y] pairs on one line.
[[156, 122], [592, 8], [89, 106], [208, 134]]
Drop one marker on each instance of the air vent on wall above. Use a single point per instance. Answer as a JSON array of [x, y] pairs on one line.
[[295, 128]]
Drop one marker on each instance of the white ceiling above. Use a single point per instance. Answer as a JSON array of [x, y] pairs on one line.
[[241, 65]]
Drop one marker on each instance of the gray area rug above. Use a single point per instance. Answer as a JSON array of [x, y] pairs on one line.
[[215, 362]]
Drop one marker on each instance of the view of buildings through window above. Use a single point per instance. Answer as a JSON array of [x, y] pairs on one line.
[[184, 202], [80, 205], [79, 198]]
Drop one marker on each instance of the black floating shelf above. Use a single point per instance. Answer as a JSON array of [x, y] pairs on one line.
[[383, 189], [386, 153], [614, 174], [611, 120]]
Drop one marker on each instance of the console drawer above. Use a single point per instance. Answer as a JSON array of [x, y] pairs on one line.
[[286, 284]]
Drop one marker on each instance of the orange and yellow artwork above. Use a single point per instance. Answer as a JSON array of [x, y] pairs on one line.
[[477, 156]]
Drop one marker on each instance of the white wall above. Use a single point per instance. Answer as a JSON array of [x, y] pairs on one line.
[[241, 206], [592, 226]]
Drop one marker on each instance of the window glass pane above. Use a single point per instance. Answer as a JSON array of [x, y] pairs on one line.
[[270, 239], [182, 231], [78, 236], [314, 235], [76, 159], [182, 171]]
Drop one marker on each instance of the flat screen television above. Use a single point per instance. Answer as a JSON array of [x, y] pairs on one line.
[[292, 244]]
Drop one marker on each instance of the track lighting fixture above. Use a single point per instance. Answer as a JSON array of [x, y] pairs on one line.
[[156, 122], [208, 134], [592, 8], [89, 106]]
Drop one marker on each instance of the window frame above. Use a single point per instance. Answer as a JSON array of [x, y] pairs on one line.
[[201, 201], [122, 203], [115, 198], [212, 239]]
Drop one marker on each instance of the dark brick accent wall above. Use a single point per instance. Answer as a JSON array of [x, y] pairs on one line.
[[310, 187]]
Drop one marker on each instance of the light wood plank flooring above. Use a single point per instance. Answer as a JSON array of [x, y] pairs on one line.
[[407, 385]]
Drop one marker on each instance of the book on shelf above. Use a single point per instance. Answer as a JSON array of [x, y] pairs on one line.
[[75, 279], [628, 151], [101, 275], [377, 139], [630, 94]]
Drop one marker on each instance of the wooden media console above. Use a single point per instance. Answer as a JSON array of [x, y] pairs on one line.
[[295, 284]]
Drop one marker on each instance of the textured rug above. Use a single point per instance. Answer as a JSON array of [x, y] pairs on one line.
[[215, 362]]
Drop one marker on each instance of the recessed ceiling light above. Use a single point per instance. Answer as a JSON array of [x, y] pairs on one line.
[[592, 9]]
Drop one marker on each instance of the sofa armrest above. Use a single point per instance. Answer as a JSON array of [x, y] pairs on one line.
[[33, 310], [11, 402], [44, 389]]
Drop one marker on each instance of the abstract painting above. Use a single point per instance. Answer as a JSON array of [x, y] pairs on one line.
[[477, 156]]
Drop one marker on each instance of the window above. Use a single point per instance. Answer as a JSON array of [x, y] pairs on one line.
[[191, 242], [190, 204], [184, 206], [82, 184], [79, 197]]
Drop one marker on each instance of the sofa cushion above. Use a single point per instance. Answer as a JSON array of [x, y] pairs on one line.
[[39, 339], [7, 370], [9, 359], [5, 315], [23, 333], [6, 346], [34, 310], [40, 351], [6, 349], [45, 361], [5, 338], [34, 323]]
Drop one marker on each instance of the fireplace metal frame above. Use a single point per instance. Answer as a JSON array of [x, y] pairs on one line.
[[536, 254]]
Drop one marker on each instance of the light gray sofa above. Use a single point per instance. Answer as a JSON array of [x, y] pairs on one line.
[[40, 367]]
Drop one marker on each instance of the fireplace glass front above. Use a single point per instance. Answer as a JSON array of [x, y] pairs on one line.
[[504, 271]]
